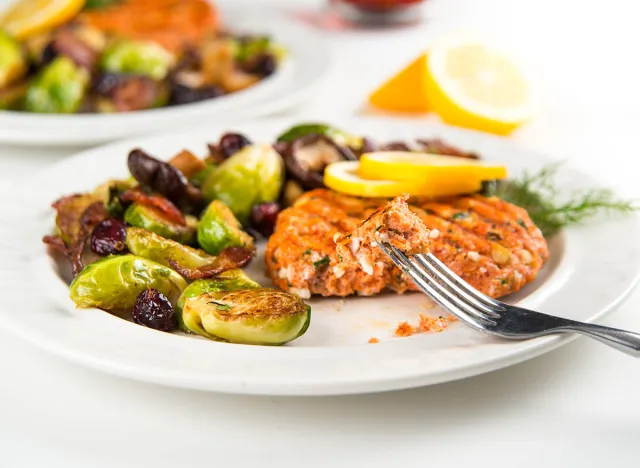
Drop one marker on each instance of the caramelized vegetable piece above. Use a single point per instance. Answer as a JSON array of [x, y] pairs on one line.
[[187, 163], [251, 316], [219, 229], [156, 221], [68, 44], [251, 176], [114, 283], [160, 177]]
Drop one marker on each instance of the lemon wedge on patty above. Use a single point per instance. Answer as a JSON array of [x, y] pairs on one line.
[[432, 169], [393, 173]]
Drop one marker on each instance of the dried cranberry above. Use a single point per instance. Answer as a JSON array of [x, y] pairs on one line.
[[152, 309], [231, 143], [263, 65], [263, 217], [181, 94], [108, 237], [48, 54]]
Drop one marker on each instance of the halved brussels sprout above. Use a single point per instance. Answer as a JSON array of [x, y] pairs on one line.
[[230, 280], [12, 63], [59, 88], [199, 177], [219, 229], [189, 262], [340, 137], [151, 219], [137, 58], [114, 282], [250, 316], [251, 176]]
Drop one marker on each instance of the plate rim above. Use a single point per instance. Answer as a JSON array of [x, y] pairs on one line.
[[534, 348]]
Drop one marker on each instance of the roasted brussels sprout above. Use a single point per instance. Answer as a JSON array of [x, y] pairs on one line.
[[152, 219], [251, 176], [59, 88], [114, 283], [250, 316], [189, 262], [137, 58], [307, 157], [219, 229], [230, 280], [199, 177], [340, 137], [12, 62]]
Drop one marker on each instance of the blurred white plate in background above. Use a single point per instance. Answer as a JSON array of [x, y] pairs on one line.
[[304, 69]]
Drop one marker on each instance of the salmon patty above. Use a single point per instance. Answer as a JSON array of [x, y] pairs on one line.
[[491, 244]]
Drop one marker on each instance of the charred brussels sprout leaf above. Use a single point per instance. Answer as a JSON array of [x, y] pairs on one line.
[[59, 88], [151, 219], [137, 58], [114, 283], [12, 63], [110, 193], [251, 176], [219, 229], [340, 137], [250, 316]]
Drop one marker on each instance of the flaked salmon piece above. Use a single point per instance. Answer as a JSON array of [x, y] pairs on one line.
[[490, 243]]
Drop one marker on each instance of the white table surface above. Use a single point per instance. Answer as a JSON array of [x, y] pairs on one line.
[[576, 406]]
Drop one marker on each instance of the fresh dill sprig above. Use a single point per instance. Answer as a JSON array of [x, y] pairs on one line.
[[539, 195]]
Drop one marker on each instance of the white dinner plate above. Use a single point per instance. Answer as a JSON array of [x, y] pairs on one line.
[[590, 271], [304, 69]]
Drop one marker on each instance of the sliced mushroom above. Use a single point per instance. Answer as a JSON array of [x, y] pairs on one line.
[[307, 157]]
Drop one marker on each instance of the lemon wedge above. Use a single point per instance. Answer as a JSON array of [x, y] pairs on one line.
[[26, 18], [344, 177], [473, 85], [431, 169]]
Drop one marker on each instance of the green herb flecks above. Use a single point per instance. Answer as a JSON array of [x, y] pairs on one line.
[[323, 262], [539, 195]]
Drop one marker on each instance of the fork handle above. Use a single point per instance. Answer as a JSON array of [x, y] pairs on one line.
[[625, 341]]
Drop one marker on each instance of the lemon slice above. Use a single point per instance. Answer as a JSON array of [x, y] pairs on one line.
[[26, 18], [344, 177], [433, 169], [473, 85]]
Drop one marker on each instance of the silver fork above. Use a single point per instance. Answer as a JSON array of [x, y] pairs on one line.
[[486, 314]]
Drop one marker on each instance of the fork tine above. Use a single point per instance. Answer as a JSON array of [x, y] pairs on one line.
[[425, 286], [446, 271], [467, 307], [457, 286]]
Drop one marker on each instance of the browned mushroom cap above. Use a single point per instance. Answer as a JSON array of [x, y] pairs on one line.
[[308, 156]]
